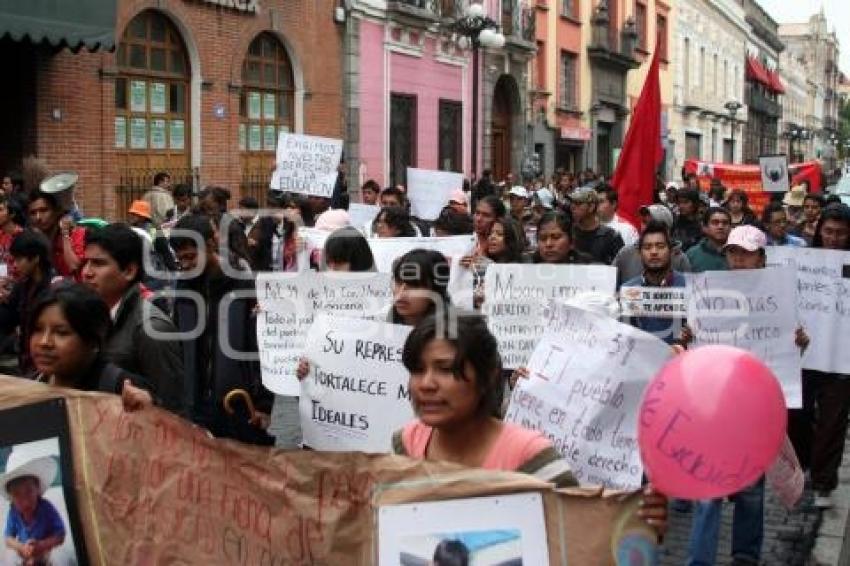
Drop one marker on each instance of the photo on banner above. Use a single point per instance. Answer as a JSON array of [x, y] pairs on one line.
[[486, 531], [774, 173], [755, 310], [37, 477], [304, 164]]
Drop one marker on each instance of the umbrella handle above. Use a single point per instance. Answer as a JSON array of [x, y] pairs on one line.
[[246, 398]]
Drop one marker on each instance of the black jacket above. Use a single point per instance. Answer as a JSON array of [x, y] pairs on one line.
[[602, 244], [132, 348], [211, 372]]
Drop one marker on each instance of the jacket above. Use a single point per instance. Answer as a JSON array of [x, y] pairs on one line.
[[688, 231], [602, 244], [703, 257], [132, 348], [630, 265], [211, 373]]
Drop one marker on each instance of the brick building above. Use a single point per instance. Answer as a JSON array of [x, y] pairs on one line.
[[199, 88]]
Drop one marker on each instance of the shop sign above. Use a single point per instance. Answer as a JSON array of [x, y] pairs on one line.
[[573, 133], [251, 6]]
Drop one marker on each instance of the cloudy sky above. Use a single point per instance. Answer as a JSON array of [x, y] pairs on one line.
[[837, 16]]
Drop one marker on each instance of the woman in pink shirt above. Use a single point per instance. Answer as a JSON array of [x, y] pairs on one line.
[[456, 390]]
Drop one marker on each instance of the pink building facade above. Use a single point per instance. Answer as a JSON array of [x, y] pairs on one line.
[[409, 91]]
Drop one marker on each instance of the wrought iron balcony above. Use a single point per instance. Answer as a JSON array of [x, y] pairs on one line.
[[759, 102]]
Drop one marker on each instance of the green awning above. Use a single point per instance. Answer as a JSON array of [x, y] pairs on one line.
[[60, 23]]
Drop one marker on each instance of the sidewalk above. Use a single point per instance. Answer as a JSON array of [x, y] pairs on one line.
[[805, 536]]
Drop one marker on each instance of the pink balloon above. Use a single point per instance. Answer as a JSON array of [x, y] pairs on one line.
[[711, 422]]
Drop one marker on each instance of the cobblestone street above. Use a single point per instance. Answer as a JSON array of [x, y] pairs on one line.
[[790, 537]]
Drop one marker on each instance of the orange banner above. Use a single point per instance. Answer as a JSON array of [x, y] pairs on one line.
[[748, 178]]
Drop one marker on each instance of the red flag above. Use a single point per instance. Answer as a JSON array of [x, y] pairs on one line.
[[642, 153]]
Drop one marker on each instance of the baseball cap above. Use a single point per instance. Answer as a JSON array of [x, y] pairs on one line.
[[747, 237], [544, 198], [140, 208], [659, 213], [584, 195], [458, 196], [518, 191]]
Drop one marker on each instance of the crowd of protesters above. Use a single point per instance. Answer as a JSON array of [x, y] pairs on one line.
[[81, 307]]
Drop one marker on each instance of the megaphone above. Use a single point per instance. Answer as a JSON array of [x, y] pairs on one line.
[[62, 187]]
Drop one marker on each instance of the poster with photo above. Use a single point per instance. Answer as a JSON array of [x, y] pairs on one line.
[[120, 132], [485, 531], [37, 476], [138, 133], [138, 96], [255, 103], [269, 104], [774, 173], [158, 133], [158, 98], [177, 134]]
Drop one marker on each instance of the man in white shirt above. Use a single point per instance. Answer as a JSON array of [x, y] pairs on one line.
[[607, 211]]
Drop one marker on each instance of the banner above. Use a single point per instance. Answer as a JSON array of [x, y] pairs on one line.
[[754, 310], [288, 306], [155, 489], [748, 178], [823, 303], [516, 297], [387, 250], [429, 191], [306, 165], [586, 379], [356, 394]]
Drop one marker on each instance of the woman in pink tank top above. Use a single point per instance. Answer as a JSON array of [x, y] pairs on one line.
[[456, 389]]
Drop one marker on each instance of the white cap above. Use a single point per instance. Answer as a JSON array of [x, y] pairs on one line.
[[518, 191]]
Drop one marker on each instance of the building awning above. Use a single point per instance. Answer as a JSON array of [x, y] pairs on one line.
[[758, 73], [60, 23]]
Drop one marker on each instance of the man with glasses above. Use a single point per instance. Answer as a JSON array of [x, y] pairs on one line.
[[775, 222]]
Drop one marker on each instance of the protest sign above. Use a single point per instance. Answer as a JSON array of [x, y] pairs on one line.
[[387, 250], [306, 165], [361, 215], [356, 394], [774, 173], [288, 305], [586, 379], [429, 191], [462, 284], [155, 489], [655, 302], [823, 303], [516, 296], [754, 310]]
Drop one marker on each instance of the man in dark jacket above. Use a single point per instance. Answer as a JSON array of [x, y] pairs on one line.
[[139, 340], [590, 235], [223, 357]]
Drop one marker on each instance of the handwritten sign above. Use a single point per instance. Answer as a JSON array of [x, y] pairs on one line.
[[655, 302], [587, 376], [754, 310], [387, 250], [361, 215], [823, 303], [306, 164], [288, 306], [356, 394], [516, 297], [429, 191]]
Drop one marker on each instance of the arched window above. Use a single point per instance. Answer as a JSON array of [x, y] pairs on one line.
[[266, 104], [152, 96]]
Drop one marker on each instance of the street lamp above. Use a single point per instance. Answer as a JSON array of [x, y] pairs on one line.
[[476, 30], [732, 107]]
